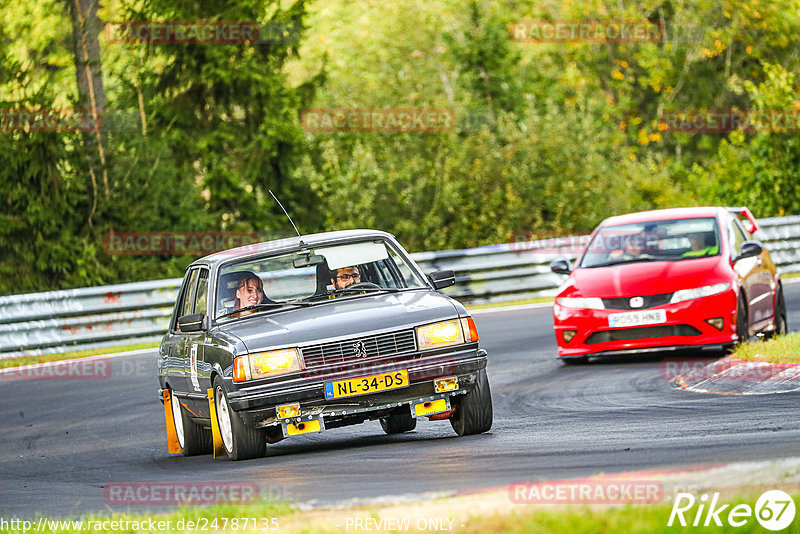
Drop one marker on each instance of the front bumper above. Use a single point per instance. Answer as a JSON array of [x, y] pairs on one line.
[[256, 404], [685, 328]]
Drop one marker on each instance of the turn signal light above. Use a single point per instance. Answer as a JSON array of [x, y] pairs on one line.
[[470, 330], [240, 369], [716, 322], [568, 335], [445, 384]]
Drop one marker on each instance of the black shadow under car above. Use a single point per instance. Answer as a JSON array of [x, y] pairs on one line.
[[272, 336]]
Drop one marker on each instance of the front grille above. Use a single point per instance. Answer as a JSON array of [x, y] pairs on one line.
[[650, 301], [347, 351], [625, 334]]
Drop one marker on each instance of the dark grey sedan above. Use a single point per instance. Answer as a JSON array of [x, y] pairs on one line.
[[302, 335]]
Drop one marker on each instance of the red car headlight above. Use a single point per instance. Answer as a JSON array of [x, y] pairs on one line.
[[696, 293], [581, 303]]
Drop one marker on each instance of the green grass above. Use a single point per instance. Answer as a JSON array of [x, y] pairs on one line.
[[586, 520], [30, 360], [555, 520], [782, 349]]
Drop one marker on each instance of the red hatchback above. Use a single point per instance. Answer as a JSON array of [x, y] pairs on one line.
[[666, 280]]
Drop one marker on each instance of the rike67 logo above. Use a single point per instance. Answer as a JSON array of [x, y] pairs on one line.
[[774, 511]]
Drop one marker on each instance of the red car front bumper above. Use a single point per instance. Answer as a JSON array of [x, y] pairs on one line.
[[685, 326]]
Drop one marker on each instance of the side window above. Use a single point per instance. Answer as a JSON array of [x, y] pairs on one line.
[[409, 280], [737, 236], [189, 296], [202, 292], [747, 235]]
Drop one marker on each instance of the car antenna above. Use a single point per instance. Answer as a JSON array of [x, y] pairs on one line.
[[287, 216]]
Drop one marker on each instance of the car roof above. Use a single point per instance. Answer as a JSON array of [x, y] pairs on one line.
[[662, 215], [289, 243]]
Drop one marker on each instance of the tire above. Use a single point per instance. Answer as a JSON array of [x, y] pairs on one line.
[[742, 334], [581, 360], [194, 439], [398, 423], [473, 410], [781, 326], [241, 442]]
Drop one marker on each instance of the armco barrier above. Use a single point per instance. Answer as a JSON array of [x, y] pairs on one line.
[[77, 319]]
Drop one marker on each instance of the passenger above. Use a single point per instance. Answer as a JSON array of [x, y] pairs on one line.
[[249, 292]]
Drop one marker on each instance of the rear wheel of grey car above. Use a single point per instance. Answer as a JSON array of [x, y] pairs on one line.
[[742, 334], [194, 439], [473, 410], [398, 423], [241, 441]]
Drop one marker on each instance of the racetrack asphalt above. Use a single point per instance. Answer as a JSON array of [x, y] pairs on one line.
[[64, 440]]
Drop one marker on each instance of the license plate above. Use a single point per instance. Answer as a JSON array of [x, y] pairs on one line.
[[431, 407], [637, 318], [293, 429], [366, 384]]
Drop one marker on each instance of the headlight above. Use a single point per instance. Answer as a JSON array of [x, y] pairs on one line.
[[264, 364], [440, 334], [587, 303], [705, 291]]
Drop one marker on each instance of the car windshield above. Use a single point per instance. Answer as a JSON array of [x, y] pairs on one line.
[[670, 240], [302, 277]]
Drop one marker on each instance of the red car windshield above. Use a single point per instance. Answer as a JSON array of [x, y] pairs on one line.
[[670, 240]]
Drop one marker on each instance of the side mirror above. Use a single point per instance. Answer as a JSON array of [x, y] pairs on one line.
[[191, 323], [441, 279], [749, 249], [560, 266]]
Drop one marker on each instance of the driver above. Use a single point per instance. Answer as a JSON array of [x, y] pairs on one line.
[[344, 277]]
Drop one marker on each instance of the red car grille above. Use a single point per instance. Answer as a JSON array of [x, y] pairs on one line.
[[360, 348], [626, 334], [650, 301]]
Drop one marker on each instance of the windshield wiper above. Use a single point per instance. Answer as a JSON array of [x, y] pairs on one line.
[[360, 289], [265, 306], [626, 260]]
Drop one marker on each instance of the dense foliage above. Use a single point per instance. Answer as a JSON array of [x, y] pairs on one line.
[[548, 137]]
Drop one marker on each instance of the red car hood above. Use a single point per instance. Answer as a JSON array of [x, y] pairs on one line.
[[647, 278]]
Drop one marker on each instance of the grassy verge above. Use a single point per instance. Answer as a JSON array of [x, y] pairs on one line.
[[30, 360], [586, 520], [278, 516], [782, 349]]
